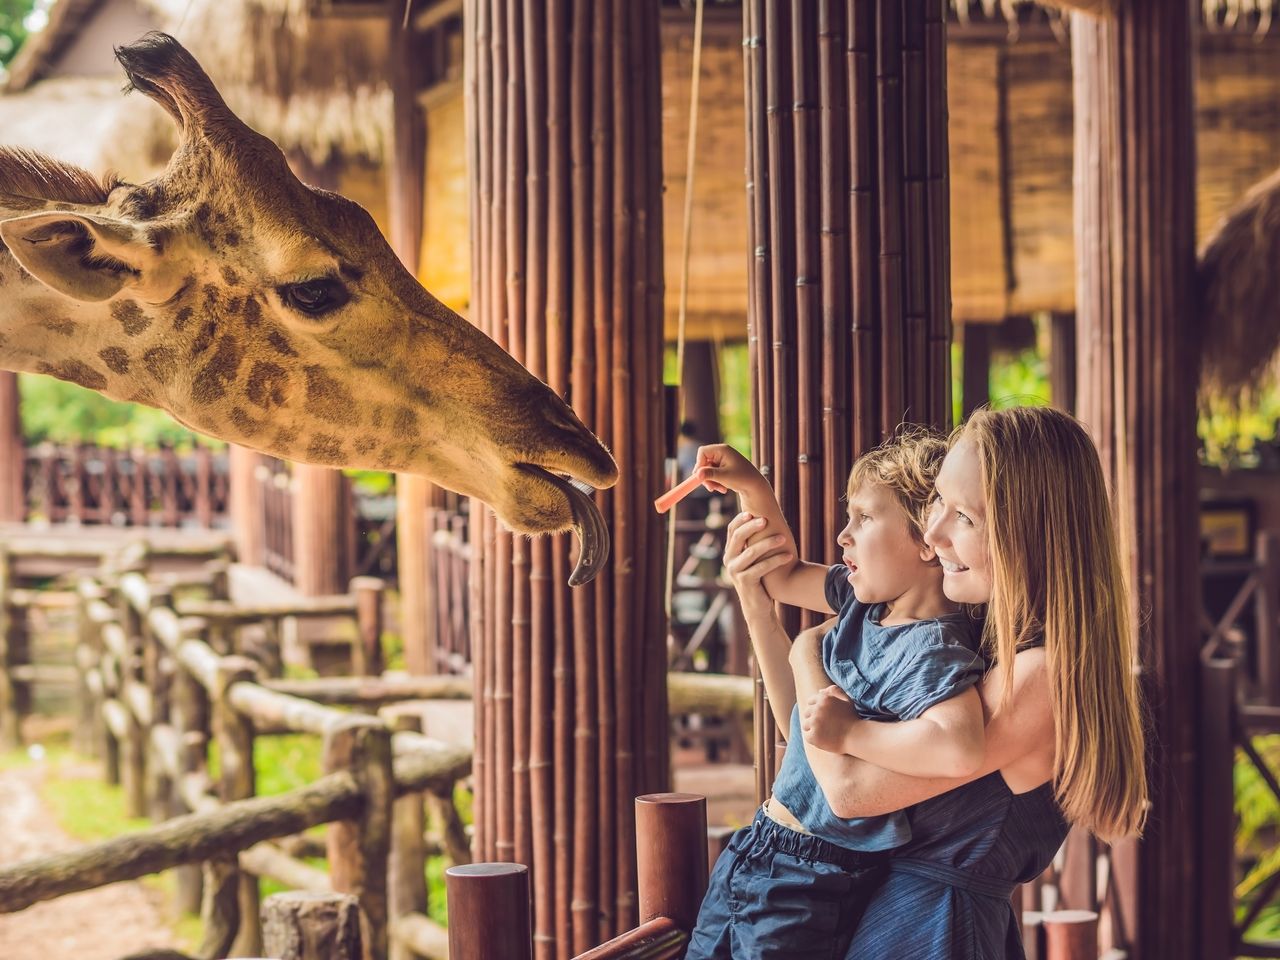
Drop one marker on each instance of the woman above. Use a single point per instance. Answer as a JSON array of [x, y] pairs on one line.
[[1022, 524]]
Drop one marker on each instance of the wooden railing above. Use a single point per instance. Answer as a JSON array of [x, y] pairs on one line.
[[158, 694], [84, 483]]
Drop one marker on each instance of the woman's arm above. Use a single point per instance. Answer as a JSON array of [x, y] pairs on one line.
[[773, 647], [1021, 731], [944, 741]]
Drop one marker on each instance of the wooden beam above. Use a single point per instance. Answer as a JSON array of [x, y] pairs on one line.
[[13, 451]]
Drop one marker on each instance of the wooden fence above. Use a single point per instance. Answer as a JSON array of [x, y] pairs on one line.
[[88, 484], [162, 672]]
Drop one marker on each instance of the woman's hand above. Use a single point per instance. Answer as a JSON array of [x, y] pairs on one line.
[[750, 552], [725, 469]]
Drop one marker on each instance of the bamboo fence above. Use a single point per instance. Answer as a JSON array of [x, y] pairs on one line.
[[564, 136]]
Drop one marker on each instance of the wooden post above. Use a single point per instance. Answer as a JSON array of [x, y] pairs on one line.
[[13, 452], [1268, 615], [10, 722], [700, 384], [321, 513], [407, 885], [237, 781], [246, 506], [191, 721], [976, 379], [489, 912], [1062, 361], [1217, 809], [366, 653], [1070, 935], [564, 132], [671, 837], [359, 849], [312, 926], [418, 598], [1136, 355]]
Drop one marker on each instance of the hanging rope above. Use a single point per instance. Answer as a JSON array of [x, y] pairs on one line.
[[691, 155]]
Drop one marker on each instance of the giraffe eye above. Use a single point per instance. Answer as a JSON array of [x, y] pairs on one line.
[[316, 297]]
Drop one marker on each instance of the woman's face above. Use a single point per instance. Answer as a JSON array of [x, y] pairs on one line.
[[958, 527]]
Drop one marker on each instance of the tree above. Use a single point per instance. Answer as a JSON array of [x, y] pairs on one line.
[[13, 30]]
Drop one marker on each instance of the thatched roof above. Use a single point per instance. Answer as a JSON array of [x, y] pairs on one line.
[[315, 85], [1239, 283]]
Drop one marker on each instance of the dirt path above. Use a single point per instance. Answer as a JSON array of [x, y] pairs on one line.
[[103, 924]]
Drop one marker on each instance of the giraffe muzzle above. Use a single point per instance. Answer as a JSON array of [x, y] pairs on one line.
[[588, 524]]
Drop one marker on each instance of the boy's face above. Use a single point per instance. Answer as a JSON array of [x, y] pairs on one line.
[[884, 559]]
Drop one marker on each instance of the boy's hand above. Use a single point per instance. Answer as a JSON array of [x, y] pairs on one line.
[[749, 553], [726, 469], [827, 718]]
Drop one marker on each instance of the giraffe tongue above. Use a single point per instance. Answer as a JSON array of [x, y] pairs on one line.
[[588, 524]]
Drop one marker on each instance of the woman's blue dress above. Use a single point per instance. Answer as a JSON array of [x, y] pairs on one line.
[[947, 893]]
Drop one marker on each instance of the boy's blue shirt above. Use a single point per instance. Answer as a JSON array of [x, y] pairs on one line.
[[889, 673]]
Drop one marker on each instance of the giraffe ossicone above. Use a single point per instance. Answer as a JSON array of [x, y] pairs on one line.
[[272, 314]]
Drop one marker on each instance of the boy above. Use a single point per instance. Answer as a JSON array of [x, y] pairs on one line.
[[795, 882]]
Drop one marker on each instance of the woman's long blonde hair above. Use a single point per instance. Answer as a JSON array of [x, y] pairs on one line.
[[1056, 572]]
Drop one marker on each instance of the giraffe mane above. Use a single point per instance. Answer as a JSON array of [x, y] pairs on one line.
[[28, 179]]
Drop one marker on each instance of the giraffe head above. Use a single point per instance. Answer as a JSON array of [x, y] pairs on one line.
[[271, 314]]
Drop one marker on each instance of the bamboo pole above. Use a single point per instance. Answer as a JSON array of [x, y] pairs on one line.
[[847, 193], [571, 704]]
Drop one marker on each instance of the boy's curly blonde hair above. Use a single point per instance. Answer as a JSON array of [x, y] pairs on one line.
[[907, 463]]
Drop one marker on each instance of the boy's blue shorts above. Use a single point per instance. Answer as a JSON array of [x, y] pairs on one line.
[[775, 892]]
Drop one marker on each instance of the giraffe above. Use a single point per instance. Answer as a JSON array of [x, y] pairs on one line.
[[271, 314]]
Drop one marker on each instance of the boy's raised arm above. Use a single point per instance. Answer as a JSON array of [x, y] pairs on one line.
[[799, 583]]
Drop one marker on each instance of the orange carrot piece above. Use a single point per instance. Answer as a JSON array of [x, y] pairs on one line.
[[678, 492]]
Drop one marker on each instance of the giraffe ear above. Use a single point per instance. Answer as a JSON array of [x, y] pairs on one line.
[[85, 257]]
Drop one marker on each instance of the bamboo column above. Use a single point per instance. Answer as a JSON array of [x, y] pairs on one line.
[[849, 306], [1135, 250], [12, 451], [321, 515], [571, 725]]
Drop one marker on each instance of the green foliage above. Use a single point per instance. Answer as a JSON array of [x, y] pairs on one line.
[[60, 412], [1257, 833], [13, 29], [1231, 437], [735, 392], [1019, 380]]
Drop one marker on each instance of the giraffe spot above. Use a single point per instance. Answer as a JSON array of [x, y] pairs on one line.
[[285, 438], [4, 338], [365, 444], [252, 312], [405, 424], [60, 325], [327, 398], [130, 316], [203, 217], [267, 383], [385, 461], [246, 424], [116, 359], [280, 344], [211, 296], [378, 417], [325, 449], [205, 340], [231, 277], [232, 238], [211, 383], [73, 371], [182, 318], [161, 363]]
